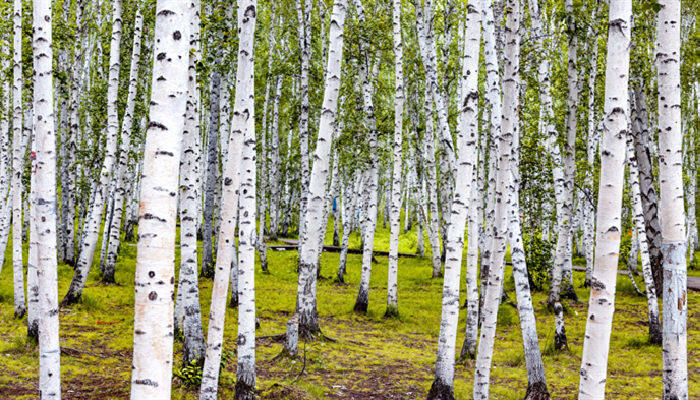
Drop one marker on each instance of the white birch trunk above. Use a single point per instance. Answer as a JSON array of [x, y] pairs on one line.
[[193, 345], [155, 253], [392, 307], [467, 140], [239, 167], [17, 164], [615, 124], [675, 301], [45, 202], [371, 185], [312, 217], [92, 222], [638, 219], [121, 169], [504, 184]]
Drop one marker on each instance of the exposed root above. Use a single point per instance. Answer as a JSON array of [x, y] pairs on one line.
[[537, 391], [441, 391]]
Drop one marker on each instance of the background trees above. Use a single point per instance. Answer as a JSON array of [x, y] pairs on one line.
[[497, 151]]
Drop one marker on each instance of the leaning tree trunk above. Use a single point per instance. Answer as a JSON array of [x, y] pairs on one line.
[[155, 252], [17, 163], [312, 218], [504, 184], [675, 303], [91, 226], [245, 369], [193, 344], [211, 172], [304, 35], [45, 202], [371, 186], [121, 169], [601, 305], [239, 171], [392, 300], [467, 140], [638, 217], [650, 202]]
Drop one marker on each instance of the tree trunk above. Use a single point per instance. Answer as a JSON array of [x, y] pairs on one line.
[[371, 186], [650, 203], [45, 202], [443, 385], [675, 303], [155, 252], [121, 169], [244, 110], [312, 230], [638, 217], [392, 301], [91, 227], [504, 184], [616, 110], [17, 164], [211, 172]]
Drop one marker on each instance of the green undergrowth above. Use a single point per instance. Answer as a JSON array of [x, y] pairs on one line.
[[370, 356]]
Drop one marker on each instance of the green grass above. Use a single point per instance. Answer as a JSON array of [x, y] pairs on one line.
[[373, 358]]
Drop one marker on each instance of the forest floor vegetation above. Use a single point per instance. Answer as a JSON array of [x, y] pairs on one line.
[[373, 357]]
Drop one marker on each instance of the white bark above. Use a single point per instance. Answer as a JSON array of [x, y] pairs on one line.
[[155, 252], [304, 35], [312, 218], [92, 222], [615, 124], [45, 203], [371, 185], [504, 183], [245, 118], [675, 301], [188, 288], [638, 219], [467, 140], [17, 163], [121, 169], [393, 268]]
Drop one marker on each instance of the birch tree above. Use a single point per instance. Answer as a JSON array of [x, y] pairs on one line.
[[504, 184], [125, 149], [596, 342], [45, 202], [443, 385], [91, 225], [312, 218], [193, 334], [155, 252], [17, 163], [673, 248], [392, 307]]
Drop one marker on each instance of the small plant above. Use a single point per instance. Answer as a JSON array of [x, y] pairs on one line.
[[538, 256], [191, 374]]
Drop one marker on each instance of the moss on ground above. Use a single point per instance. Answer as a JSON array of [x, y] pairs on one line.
[[374, 357]]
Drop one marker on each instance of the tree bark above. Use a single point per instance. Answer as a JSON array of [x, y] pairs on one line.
[[673, 248], [155, 251], [45, 202], [608, 230], [91, 225], [312, 229]]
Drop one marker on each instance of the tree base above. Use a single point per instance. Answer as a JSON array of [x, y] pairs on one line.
[[439, 390], [233, 303], [537, 391], [360, 306], [19, 314], [33, 331], [391, 312], [70, 298], [244, 391]]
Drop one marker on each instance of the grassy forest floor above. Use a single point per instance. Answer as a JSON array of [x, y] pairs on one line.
[[373, 358]]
